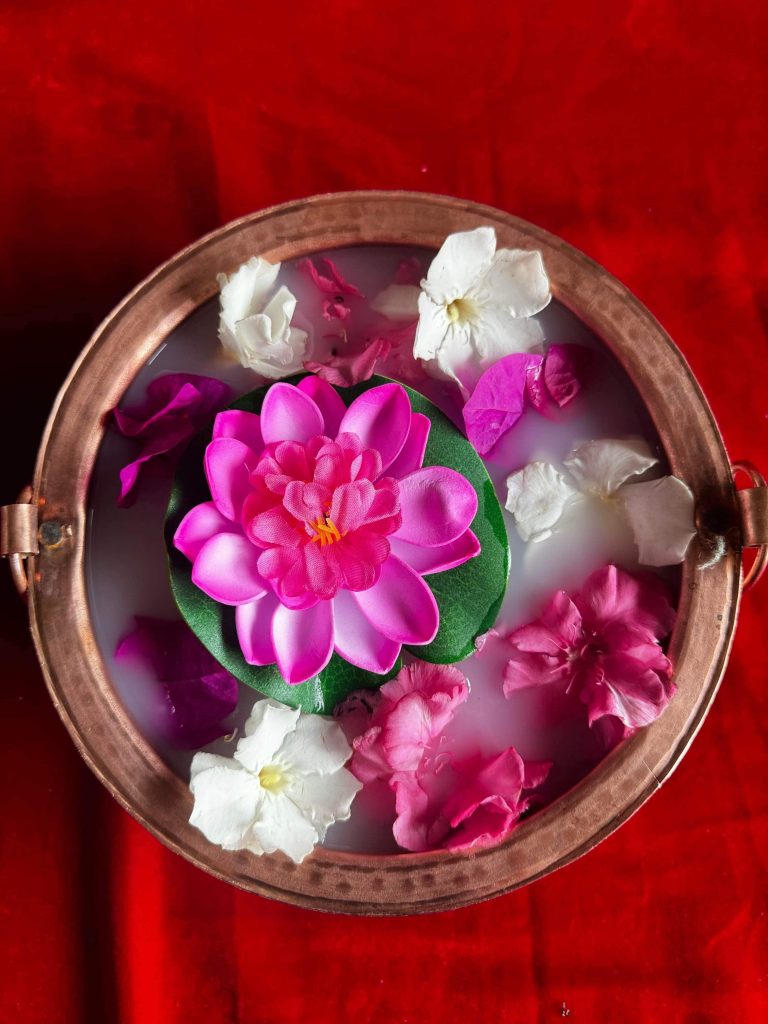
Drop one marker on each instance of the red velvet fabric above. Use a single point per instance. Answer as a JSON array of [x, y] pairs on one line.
[[637, 130]]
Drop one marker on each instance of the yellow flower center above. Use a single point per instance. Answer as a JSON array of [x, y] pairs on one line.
[[461, 310], [272, 778], [326, 531]]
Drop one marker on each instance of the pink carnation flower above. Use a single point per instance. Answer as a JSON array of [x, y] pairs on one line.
[[604, 643], [322, 524]]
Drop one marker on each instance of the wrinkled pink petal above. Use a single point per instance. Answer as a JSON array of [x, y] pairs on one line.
[[624, 686], [564, 367], [498, 401], [193, 692], [409, 271], [610, 594], [344, 371], [331, 282]]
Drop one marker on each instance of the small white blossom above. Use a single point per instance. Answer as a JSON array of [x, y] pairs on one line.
[[475, 305], [255, 320], [284, 787], [660, 512]]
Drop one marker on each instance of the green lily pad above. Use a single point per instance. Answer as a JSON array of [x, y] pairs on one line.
[[468, 597]]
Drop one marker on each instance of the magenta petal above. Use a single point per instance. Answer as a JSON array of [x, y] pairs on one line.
[[498, 401], [327, 400], [611, 594], [437, 559], [254, 629], [564, 367], [411, 455], [358, 641], [243, 426], [227, 469], [437, 504], [303, 640], [401, 604], [381, 418], [332, 282], [198, 526], [226, 569], [289, 414]]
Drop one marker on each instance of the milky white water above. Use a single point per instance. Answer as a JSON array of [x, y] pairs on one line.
[[126, 563]]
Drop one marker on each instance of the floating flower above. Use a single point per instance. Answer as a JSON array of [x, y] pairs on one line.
[[332, 283], [343, 371], [284, 787], [475, 306], [660, 512], [194, 692], [323, 523], [177, 405], [603, 643], [487, 798], [255, 320]]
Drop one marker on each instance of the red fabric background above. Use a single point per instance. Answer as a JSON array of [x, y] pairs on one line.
[[637, 130]]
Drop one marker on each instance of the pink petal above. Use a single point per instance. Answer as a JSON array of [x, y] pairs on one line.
[[227, 469], [288, 414], [414, 820], [439, 558], [226, 569], [611, 594], [332, 282], [303, 640], [306, 502], [557, 629], [437, 504], [498, 401], [624, 686], [243, 426], [564, 370], [327, 400], [274, 527], [401, 604], [344, 371], [198, 526], [254, 629], [357, 640], [381, 418], [411, 455], [351, 503]]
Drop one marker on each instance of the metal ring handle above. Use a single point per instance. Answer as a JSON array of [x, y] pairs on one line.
[[753, 519]]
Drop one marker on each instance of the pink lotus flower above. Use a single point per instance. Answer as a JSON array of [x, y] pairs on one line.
[[177, 405], [604, 643], [322, 524], [194, 693], [482, 807]]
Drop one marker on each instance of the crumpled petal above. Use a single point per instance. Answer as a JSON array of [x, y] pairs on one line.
[[323, 799], [318, 747], [661, 514], [463, 257], [537, 497], [398, 302], [227, 800], [344, 371], [332, 282], [517, 281], [282, 826], [498, 401], [628, 689], [601, 467], [269, 724]]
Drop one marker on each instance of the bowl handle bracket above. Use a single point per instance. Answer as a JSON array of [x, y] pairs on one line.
[[753, 509]]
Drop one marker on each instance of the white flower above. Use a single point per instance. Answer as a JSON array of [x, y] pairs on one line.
[[283, 788], [255, 320], [475, 304], [659, 512]]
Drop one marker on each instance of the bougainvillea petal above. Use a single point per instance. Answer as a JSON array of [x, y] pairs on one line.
[[332, 282], [498, 401]]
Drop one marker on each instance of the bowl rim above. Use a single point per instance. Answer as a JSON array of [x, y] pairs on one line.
[[76, 676]]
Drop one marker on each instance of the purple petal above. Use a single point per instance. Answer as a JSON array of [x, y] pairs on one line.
[[162, 442], [411, 455], [226, 569], [198, 526], [381, 418], [401, 604], [357, 640], [437, 504], [254, 629], [328, 402], [242, 426], [227, 466], [439, 558], [303, 640], [289, 414], [498, 401]]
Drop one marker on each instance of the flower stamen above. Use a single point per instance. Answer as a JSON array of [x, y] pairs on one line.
[[273, 778], [461, 310], [326, 531]]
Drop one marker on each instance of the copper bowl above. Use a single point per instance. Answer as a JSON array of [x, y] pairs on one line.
[[44, 537]]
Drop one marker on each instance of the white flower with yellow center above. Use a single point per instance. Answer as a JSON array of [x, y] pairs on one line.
[[255, 321], [660, 512], [475, 304], [284, 787]]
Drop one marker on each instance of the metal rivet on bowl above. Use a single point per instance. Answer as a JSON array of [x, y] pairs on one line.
[[52, 534]]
